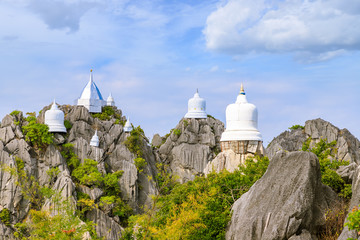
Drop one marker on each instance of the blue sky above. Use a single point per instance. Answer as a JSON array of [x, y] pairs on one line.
[[298, 60]]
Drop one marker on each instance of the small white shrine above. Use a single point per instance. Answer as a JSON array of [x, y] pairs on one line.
[[91, 97], [54, 118], [127, 127], [94, 140], [241, 133], [110, 101], [196, 107]]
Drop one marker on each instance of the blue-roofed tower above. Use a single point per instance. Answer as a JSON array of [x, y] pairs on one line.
[[91, 97]]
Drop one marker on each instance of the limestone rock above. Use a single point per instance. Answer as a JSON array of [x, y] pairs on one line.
[[228, 160], [348, 147], [191, 145], [300, 203], [105, 226]]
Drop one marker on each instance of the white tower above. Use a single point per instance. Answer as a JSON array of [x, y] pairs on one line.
[[196, 107], [241, 131], [110, 101], [54, 118], [127, 127], [94, 140], [91, 97]]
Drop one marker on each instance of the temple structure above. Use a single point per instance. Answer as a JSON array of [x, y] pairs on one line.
[[94, 140], [127, 127], [196, 107], [110, 101], [54, 118], [241, 134], [91, 97]]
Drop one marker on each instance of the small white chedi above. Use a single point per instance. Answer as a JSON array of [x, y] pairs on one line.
[[94, 140], [54, 118], [127, 127], [196, 107], [91, 97], [110, 101]]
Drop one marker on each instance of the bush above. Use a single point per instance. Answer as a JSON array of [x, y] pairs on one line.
[[134, 142], [37, 133], [5, 216], [297, 126], [140, 163], [334, 222], [353, 220], [68, 153], [67, 125], [177, 132], [88, 173], [15, 113], [107, 113]]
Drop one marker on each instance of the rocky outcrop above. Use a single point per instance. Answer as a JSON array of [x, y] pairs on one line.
[[190, 146], [288, 202], [348, 147]]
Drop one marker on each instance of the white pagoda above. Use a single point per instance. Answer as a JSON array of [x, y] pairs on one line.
[[110, 101], [94, 140], [54, 118], [196, 107], [127, 127], [91, 97], [241, 133]]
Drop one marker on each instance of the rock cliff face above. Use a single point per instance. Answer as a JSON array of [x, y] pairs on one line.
[[297, 210], [348, 147], [112, 155], [190, 146]]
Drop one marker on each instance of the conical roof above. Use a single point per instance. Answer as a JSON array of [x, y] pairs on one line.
[[91, 91]]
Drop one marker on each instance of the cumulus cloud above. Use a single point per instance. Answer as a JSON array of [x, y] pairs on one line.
[[315, 29]]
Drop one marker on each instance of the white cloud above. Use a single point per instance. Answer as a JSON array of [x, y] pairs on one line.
[[322, 28], [214, 68]]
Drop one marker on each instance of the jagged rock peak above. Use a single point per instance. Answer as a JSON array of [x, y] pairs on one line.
[[348, 146]]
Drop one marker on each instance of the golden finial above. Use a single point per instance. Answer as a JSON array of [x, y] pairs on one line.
[[242, 89], [90, 70]]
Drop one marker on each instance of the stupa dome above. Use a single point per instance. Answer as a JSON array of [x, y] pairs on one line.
[[196, 107], [91, 97], [54, 118], [94, 140], [127, 127], [110, 101], [241, 120]]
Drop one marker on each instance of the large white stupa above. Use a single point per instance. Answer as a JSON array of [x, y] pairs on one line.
[[91, 97], [54, 118], [241, 124], [196, 107]]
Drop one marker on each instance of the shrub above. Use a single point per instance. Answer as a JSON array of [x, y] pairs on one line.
[[353, 220], [15, 113], [88, 173], [67, 125], [107, 113], [186, 123], [134, 142], [297, 126], [209, 116], [5, 216], [334, 222], [68, 153], [37, 134], [140, 163], [177, 132]]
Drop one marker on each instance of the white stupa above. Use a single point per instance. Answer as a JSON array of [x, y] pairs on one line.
[[94, 140], [241, 123], [54, 118], [196, 107], [110, 101], [127, 127], [91, 97]]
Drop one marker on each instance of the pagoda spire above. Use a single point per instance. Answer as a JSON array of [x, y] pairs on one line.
[[242, 92]]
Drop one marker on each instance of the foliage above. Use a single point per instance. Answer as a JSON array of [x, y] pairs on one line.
[[334, 222], [177, 132], [37, 133], [353, 220], [111, 185], [297, 126], [15, 113], [328, 166], [198, 209], [186, 123], [134, 142], [164, 179], [107, 113], [68, 153], [5, 216], [88, 173], [52, 173], [346, 192], [42, 225], [209, 116], [140, 163], [116, 207], [67, 125]]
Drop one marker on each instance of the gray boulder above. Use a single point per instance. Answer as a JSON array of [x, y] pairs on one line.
[[289, 200]]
